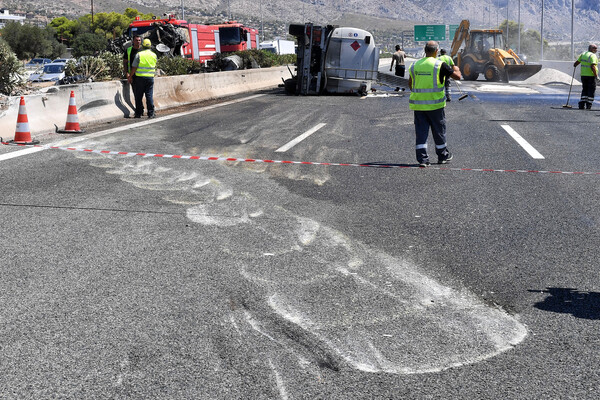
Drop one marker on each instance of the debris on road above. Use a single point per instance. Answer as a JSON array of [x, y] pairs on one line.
[[550, 75]]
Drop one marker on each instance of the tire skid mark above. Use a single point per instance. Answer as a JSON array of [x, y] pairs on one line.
[[375, 312]]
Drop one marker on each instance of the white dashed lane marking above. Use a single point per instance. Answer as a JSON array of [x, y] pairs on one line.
[[523, 143], [300, 138]]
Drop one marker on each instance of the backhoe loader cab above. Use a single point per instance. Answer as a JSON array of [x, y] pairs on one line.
[[483, 41], [485, 52]]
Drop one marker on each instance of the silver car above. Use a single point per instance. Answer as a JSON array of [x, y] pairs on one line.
[[52, 72], [63, 60], [36, 62]]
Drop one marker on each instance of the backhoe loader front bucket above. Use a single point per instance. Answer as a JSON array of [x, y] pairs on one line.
[[516, 72]]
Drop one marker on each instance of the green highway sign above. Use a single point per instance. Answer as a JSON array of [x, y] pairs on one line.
[[451, 31], [424, 33]]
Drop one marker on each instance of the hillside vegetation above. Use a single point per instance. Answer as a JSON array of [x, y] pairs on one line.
[[482, 13]]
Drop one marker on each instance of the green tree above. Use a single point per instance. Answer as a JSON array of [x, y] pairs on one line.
[[111, 25], [28, 41], [131, 13], [108, 25], [530, 39], [11, 70], [513, 33], [66, 29], [57, 49], [88, 44], [530, 44]]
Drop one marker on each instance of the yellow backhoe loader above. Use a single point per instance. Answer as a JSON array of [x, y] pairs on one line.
[[484, 53]]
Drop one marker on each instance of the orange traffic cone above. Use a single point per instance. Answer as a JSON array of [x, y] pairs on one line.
[[22, 133], [72, 125]]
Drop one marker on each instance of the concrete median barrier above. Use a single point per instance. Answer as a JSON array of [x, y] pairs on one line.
[[99, 102]]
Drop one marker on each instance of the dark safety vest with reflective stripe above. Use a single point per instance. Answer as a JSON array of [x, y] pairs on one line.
[[427, 93], [587, 59], [147, 65]]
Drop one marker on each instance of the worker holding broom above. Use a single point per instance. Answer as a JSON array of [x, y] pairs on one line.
[[589, 74]]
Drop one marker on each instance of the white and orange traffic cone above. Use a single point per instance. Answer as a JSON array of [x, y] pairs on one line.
[[72, 125], [22, 133]]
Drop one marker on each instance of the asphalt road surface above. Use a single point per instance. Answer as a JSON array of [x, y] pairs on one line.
[[136, 276]]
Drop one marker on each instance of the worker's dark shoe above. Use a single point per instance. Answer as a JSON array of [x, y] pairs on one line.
[[137, 116], [588, 106], [448, 98], [581, 105], [151, 116], [424, 164], [445, 160]]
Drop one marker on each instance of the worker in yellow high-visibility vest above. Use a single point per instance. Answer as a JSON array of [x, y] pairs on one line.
[[448, 60], [589, 74], [143, 68], [428, 99]]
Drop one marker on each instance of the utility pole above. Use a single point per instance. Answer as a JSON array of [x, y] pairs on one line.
[[507, 29], [542, 33], [483, 15], [182, 11], [572, 21], [497, 7], [262, 27], [92, 11], [519, 30]]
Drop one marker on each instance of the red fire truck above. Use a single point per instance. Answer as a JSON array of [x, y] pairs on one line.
[[196, 41]]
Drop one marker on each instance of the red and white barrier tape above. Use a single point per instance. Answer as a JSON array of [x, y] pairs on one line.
[[252, 160]]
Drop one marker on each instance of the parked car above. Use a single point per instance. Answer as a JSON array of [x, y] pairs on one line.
[[62, 60], [36, 62], [48, 72]]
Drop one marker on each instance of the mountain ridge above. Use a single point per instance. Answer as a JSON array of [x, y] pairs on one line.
[[481, 13]]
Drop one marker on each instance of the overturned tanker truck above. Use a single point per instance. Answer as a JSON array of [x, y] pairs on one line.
[[332, 60]]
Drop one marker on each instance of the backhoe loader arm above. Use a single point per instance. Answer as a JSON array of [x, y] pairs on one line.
[[515, 56], [461, 35]]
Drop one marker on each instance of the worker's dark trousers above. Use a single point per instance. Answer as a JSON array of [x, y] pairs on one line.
[[400, 70], [143, 86], [587, 92], [436, 119]]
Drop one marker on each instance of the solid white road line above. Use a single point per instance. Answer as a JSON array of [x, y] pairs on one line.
[[72, 140], [524, 144], [300, 138], [20, 153]]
